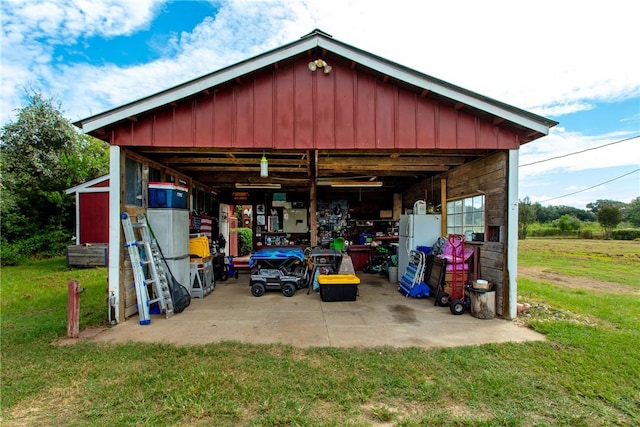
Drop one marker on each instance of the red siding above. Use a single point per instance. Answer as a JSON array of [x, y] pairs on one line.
[[94, 217], [290, 107], [283, 112], [203, 122], [263, 107]]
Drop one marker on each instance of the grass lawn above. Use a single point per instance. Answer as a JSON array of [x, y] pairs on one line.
[[586, 373]]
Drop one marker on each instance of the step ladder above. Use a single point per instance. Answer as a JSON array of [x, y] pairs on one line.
[[150, 257]]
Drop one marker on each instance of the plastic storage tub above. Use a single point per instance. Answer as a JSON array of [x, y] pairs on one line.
[[199, 247], [167, 195], [338, 287]]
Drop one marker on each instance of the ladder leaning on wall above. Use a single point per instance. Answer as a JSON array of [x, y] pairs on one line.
[[144, 252]]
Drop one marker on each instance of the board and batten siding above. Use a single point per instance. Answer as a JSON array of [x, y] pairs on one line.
[[290, 107]]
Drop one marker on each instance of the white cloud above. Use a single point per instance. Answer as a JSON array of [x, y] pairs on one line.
[[549, 57]]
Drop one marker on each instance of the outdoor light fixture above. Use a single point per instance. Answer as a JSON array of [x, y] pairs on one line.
[[319, 63], [241, 186], [264, 167]]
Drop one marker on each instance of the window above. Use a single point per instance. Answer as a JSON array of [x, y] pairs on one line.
[[132, 182], [465, 215]]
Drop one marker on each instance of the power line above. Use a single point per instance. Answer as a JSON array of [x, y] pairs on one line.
[[581, 151], [597, 185]]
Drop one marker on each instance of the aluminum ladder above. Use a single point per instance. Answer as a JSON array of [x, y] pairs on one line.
[[151, 258]]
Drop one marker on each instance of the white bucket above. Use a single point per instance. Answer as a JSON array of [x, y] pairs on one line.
[[393, 274], [420, 207]]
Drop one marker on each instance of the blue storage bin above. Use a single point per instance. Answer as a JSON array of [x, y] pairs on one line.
[[425, 249], [167, 195]]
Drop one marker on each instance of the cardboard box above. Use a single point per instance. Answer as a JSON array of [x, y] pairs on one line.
[[167, 195], [338, 287]]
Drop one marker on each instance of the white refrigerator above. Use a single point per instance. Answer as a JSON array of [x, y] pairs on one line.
[[414, 231], [171, 229]]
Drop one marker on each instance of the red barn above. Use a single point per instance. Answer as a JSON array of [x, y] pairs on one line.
[[315, 125]]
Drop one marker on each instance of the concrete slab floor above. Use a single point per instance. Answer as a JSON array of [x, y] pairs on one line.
[[380, 316]]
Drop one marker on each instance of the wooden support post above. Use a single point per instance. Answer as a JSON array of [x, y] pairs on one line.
[[73, 310]]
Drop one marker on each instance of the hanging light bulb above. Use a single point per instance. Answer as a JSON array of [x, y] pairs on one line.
[[264, 167]]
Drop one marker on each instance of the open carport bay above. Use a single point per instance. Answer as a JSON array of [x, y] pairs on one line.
[[380, 316]]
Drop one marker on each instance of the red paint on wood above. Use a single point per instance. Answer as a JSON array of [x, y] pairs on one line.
[[292, 107], [284, 117], [303, 108], [222, 111], [345, 131], [264, 116], [446, 130], [94, 217], [163, 128], [365, 112], [244, 116], [121, 136], [324, 122], [183, 125], [406, 127], [426, 123], [142, 132], [204, 123], [466, 131], [385, 107]]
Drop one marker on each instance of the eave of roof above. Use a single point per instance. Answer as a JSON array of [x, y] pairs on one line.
[[321, 40]]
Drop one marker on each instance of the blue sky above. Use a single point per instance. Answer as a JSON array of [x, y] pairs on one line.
[[576, 65]]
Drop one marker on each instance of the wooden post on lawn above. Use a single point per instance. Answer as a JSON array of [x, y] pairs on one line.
[[73, 310]]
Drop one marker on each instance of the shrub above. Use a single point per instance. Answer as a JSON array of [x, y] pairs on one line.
[[626, 234], [245, 241], [41, 244]]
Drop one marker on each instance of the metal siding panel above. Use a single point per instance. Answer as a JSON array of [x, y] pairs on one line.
[[365, 112], [325, 109], [143, 132], [222, 109], [264, 107], [344, 125], [163, 128], [406, 127], [466, 131], [284, 131], [94, 217], [303, 108], [203, 126], [122, 136], [385, 100], [244, 116], [183, 125], [425, 123], [446, 128]]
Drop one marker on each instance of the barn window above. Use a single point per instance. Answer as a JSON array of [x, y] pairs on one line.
[[465, 215], [132, 182]]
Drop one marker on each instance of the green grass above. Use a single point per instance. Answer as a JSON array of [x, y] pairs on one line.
[[586, 373]]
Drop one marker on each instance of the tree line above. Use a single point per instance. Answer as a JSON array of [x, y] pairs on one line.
[[609, 214]]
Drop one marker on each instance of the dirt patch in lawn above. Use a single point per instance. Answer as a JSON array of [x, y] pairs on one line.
[[575, 282]]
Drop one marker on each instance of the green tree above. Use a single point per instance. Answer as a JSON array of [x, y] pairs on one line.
[[632, 212], [609, 217], [595, 206], [41, 155], [568, 223], [526, 216]]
